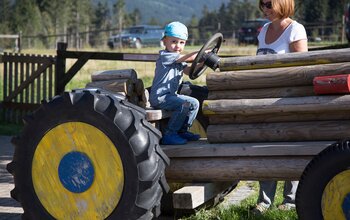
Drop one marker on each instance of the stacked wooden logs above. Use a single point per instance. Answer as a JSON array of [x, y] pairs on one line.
[[257, 100], [124, 82]]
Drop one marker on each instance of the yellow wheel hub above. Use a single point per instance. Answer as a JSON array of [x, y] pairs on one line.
[[77, 172], [336, 197]]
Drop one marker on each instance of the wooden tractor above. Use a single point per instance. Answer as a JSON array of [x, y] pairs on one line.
[[95, 154]]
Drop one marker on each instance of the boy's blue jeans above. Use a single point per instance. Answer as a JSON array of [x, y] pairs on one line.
[[184, 108]]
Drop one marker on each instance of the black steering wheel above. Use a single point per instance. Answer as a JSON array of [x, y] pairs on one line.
[[210, 59]]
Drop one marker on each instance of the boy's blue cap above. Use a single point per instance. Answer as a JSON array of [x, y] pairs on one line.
[[176, 29]]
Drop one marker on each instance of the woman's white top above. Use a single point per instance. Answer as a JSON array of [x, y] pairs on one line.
[[294, 32]]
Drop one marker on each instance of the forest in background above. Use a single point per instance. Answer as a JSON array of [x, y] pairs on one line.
[[89, 23]]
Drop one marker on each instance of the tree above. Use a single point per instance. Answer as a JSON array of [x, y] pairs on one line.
[[193, 30], [100, 21], [26, 19], [135, 17]]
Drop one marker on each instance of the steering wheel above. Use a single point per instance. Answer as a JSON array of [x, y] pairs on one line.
[[210, 59]]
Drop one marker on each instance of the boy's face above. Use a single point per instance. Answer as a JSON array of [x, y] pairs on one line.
[[174, 44]]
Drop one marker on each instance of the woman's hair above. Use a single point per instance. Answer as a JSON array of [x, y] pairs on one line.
[[283, 8]]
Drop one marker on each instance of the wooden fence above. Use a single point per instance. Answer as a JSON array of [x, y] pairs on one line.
[[29, 79]]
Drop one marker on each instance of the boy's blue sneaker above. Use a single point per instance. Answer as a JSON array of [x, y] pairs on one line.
[[189, 136], [173, 139]]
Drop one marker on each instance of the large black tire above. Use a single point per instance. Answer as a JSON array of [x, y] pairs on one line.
[[112, 136], [324, 187]]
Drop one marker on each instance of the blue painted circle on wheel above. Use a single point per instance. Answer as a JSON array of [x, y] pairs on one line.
[[346, 206], [76, 172]]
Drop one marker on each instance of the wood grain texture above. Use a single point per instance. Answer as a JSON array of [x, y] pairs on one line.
[[288, 59], [274, 77], [311, 104], [279, 131]]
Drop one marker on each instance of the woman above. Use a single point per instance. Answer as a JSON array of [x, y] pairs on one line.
[[281, 35]]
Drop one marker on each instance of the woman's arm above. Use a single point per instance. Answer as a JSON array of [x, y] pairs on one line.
[[298, 46]]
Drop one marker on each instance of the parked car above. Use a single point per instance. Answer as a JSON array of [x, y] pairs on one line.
[[249, 31], [137, 37]]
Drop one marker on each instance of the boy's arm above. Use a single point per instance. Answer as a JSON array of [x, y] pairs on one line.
[[187, 57]]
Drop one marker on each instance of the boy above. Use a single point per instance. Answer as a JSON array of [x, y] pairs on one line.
[[170, 67]]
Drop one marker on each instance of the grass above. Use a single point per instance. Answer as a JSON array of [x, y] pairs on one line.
[[242, 211]]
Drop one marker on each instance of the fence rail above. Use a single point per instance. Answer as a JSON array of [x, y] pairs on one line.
[[29, 79]]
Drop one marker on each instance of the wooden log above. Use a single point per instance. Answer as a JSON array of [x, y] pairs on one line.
[[120, 85], [242, 168], [283, 60], [202, 148], [297, 91], [275, 77], [280, 117], [201, 161], [194, 195], [309, 104], [139, 87], [283, 131], [104, 75]]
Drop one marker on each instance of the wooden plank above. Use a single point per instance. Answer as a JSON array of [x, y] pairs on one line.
[[10, 82], [297, 91], [314, 104], [284, 131], [156, 114], [51, 84], [280, 117], [118, 85], [27, 70], [104, 75], [202, 148], [284, 60], [26, 58], [5, 86], [194, 195], [110, 56], [74, 68], [21, 80], [274, 77], [31, 81], [243, 168]]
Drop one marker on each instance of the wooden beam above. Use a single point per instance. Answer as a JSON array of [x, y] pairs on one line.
[[280, 117], [283, 131], [243, 168], [297, 91], [119, 85], [74, 69], [194, 195], [202, 148], [308, 104], [274, 77], [104, 75], [109, 56], [284, 60]]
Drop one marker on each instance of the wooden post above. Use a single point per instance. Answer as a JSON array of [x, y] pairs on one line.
[[60, 68]]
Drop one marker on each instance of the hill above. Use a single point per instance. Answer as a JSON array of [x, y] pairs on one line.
[[164, 11]]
